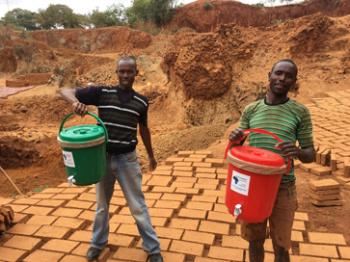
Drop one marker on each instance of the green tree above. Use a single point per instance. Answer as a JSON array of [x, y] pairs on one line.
[[156, 11], [114, 15], [21, 18], [58, 16]]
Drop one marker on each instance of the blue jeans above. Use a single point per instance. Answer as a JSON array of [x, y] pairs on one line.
[[126, 170]]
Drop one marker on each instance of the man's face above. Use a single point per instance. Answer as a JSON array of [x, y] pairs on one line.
[[282, 78], [126, 71]]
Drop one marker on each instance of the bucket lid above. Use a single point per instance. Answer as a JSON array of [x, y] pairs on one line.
[[81, 133], [257, 156]]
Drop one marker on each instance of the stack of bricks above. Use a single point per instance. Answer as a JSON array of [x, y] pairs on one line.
[[331, 136], [325, 192]]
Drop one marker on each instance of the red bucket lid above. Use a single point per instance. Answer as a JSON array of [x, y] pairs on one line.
[[257, 156]]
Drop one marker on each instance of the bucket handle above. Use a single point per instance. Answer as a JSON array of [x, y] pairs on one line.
[[87, 113], [258, 131]]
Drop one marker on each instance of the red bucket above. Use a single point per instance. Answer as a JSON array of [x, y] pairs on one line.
[[253, 179]]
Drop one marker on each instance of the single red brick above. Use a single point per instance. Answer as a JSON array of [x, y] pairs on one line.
[[24, 229], [120, 240], [22, 242], [79, 204], [168, 204], [43, 256], [68, 222], [41, 220], [81, 235], [199, 237], [187, 247], [34, 210], [50, 202], [128, 229], [160, 212], [226, 253], [67, 212], [199, 205], [214, 227], [10, 254], [60, 245], [172, 233], [184, 223], [222, 217], [192, 213], [130, 254], [52, 232]]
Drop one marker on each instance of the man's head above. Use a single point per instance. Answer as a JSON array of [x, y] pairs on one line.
[[283, 77], [126, 71]]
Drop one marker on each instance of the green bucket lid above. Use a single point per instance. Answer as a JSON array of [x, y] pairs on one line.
[[82, 133]]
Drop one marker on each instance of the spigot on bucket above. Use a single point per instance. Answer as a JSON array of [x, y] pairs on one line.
[[71, 180], [237, 210]]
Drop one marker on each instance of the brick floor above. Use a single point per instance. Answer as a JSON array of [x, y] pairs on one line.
[[186, 204]]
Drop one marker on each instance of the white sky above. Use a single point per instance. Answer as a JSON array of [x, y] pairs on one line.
[[79, 6]]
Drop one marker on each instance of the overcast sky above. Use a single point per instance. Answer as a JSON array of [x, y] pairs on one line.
[[79, 6]]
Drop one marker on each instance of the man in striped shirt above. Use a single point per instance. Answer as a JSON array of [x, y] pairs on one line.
[[291, 121], [121, 109]]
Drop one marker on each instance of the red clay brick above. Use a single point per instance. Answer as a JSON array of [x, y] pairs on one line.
[[318, 250], [81, 235], [18, 208], [173, 257], [118, 201], [128, 230], [222, 217], [184, 223], [226, 253], [189, 191], [198, 237], [52, 232], [162, 172], [65, 196], [42, 196], [22, 242], [206, 175], [159, 221], [87, 197], [182, 184], [192, 213], [50, 202], [34, 210], [122, 219], [178, 197], [234, 241], [26, 201], [344, 252], [164, 244], [160, 212], [52, 190], [163, 189], [221, 208], [87, 215], [298, 225], [79, 204], [172, 233], [193, 160], [168, 204], [10, 254], [301, 216], [183, 173], [60, 245], [41, 220], [72, 258], [308, 259], [214, 193], [210, 199], [214, 227], [206, 259], [68, 222], [186, 179], [67, 212], [297, 236], [205, 165], [19, 218], [24, 229], [199, 205], [43, 256], [326, 238], [164, 168], [120, 240], [73, 190], [187, 247], [177, 166], [130, 254]]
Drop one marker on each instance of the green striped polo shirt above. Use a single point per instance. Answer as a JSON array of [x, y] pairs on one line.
[[291, 121]]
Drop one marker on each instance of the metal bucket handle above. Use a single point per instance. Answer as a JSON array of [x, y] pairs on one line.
[[87, 113], [259, 131]]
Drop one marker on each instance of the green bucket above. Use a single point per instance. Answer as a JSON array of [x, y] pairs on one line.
[[84, 151]]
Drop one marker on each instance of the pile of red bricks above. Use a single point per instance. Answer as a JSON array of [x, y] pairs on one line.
[[325, 192], [185, 196]]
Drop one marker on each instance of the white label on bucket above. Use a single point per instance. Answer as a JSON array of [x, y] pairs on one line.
[[240, 183], [68, 159]]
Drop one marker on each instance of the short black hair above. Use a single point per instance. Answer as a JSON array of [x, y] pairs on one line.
[[127, 58], [288, 61]]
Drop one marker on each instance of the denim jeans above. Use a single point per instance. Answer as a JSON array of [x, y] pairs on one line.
[[126, 170]]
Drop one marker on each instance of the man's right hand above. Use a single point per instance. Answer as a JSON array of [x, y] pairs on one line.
[[79, 108], [236, 135]]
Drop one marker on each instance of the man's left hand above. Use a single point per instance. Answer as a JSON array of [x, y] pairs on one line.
[[152, 164], [288, 149]]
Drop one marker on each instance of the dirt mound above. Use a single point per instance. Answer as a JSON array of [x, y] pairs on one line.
[[204, 16], [8, 62], [29, 79], [103, 40]]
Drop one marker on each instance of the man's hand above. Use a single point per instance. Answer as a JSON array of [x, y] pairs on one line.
[[6, 217], [79, 108], [288, 149], [236, 136], [152, 164]]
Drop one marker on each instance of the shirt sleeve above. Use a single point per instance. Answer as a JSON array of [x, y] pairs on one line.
[[144, 117], [244, 120], [89, 95], [304, 130]]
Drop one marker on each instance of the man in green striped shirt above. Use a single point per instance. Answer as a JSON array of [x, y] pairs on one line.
[[291, 121]]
